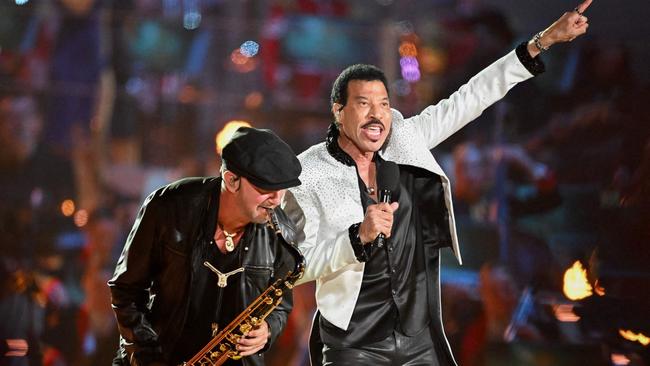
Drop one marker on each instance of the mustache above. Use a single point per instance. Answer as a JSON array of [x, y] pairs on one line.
[[374, 121]]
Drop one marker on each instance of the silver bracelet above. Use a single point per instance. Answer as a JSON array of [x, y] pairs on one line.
[[538, 43]]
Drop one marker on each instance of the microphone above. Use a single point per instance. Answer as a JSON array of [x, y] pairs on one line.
[[388, 183]]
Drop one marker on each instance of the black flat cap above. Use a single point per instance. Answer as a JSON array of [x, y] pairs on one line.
[[263, 158]]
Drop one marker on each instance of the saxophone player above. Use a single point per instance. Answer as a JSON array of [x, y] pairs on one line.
[[201, 250]]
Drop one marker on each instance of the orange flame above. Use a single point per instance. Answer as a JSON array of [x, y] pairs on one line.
[[576, 286], [634, 337]]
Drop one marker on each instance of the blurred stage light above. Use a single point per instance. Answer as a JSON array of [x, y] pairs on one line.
[[249, 48], [189, 94], [254, 100], [619, 359], [237, 57], [404, 27], [598, 289], [564, 313], [634, 337], [81, 218], [16, 347], [410, 69], [408, 49], [242, 63], [401, 87], [36, 197], [191, 19], [432, 61], [224, 136], [576, 286], [67, 208]]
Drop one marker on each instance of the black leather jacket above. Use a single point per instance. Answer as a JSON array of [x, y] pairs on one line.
[[152, 280]]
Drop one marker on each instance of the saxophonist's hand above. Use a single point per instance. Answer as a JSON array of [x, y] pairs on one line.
[[254, 340]]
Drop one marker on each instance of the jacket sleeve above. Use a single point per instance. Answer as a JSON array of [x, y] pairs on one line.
[[437, 122], [277, 320], [324, 256], [130, 285]]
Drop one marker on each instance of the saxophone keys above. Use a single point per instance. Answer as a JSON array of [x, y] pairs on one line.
[[215, 329], [232, 338], [255, 321], [245, 328]]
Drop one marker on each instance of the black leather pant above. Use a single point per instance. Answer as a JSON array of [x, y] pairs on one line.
[[396, 349]]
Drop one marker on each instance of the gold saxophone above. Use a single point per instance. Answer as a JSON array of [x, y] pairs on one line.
[[223, 345]]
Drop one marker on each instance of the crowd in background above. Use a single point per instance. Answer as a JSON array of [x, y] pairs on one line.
[[558, 171]]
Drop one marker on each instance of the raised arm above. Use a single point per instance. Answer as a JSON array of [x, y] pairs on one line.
[[437, 122], [570, 25]]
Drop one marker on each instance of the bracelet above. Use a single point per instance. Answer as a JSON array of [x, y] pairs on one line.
[[361, 251], [538, 43]]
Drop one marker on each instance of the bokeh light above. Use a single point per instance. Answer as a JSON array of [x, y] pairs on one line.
[[401, 87], [576, 286], [410, 69], [254, 100], [67, 207], [619, 359], [249, 48], [189, 94], [237, 57], [408, 49], [432, 61], [565, 313], [634, 337], [224, 136], [242, 63], [81, 218], [191, 20]]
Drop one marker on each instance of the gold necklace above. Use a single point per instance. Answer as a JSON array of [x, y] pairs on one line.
[[230, 244]]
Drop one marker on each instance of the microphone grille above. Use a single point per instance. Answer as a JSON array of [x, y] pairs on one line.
[[388, 176]]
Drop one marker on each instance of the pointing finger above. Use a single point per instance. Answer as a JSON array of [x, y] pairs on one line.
[[583, 6]]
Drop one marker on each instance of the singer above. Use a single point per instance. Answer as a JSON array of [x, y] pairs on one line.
[[381, 306]]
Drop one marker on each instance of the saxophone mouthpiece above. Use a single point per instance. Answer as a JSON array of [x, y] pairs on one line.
[[273, 221]]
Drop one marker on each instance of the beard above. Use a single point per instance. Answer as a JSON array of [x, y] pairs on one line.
[[261, 215]]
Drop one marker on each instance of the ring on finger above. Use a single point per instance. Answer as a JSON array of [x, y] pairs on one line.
[[577, 11]]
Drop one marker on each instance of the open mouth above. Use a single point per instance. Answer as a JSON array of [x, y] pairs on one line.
[[373, 130]]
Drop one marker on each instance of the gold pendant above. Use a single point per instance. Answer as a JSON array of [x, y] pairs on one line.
[[230, 245]]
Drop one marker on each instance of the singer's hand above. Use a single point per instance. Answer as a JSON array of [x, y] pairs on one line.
[[378, 220]]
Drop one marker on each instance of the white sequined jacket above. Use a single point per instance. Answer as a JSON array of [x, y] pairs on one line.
[[328, 201]]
